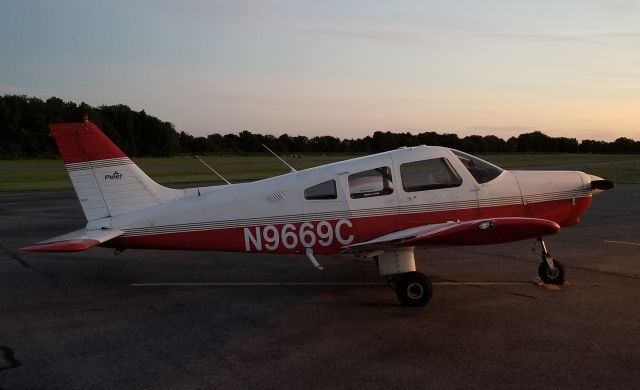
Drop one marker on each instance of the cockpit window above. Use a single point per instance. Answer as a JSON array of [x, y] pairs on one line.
[[481, 170], [324, 190], [430, 174]]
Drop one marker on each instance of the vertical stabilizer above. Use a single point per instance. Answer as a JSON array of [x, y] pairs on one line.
[[106, 181]]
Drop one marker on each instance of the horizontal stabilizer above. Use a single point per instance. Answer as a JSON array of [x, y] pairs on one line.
[[74, 242], [476, 232]]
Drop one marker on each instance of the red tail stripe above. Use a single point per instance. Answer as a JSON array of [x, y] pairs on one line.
[[82, 142]]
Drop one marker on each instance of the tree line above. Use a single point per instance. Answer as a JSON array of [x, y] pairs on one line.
[[24, 133]]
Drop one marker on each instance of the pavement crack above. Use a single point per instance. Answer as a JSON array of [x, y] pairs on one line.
[[14, 256], [8, 356], [49, 276]]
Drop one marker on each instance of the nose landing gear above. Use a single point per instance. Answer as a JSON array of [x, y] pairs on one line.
[[550, 270]]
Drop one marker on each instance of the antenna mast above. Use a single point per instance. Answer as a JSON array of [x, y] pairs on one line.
[[278, 157], [214, 171]]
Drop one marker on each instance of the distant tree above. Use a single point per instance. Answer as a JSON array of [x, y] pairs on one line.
[[383, 141], [249, 142], [534, 142], [626, 145], [590, 146], [300, 144], [24, 127], [566, 145], [214, 143], [325, 143], [284, 143], [231, 143]]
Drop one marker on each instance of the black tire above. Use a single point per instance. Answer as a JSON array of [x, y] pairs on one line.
[[413, 289], [550, 277]]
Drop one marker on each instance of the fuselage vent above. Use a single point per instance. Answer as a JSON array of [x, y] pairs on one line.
[[274, 198]]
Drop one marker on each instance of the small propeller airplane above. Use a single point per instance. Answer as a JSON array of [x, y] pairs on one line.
[[380, 206]]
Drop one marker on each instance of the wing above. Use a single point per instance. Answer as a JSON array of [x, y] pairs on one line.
[[476, 232], [75, 241]]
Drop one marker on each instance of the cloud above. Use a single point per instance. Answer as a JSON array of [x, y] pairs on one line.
[[588, 37], [389, 34], [316, 18]]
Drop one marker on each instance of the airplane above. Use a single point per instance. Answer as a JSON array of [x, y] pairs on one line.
[[380, 206]]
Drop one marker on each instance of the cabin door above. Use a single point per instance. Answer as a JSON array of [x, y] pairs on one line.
[[431, 189]]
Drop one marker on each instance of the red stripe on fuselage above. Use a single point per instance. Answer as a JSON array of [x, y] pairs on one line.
[[565, 212]]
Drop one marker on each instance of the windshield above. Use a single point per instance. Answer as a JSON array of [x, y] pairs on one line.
[[481, 170]]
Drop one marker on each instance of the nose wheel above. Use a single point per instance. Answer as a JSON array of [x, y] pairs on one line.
[[550, 270]]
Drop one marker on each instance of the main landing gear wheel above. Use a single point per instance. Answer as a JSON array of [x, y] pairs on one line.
[[413, 289], [549, 270], [549, 276]]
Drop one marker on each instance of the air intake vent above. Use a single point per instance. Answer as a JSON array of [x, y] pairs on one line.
[[274, 198]]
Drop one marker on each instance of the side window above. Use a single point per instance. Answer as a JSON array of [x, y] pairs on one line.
[[373, 182], [324, 190], [428, 175]]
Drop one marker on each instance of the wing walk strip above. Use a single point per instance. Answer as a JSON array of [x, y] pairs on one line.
[[377, 212]]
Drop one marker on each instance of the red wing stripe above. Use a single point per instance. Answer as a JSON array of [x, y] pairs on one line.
[[75, 241], [62, 246], [500, 230]]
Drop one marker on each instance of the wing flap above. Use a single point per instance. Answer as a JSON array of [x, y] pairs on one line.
[[75, 241], [475, 232]]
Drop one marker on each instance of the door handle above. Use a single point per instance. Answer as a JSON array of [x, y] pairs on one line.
[[405, 200]]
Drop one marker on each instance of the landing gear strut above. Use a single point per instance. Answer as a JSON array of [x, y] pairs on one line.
[[550, 270]]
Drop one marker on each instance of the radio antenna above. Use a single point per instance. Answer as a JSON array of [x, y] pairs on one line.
[[213, 170], [278, 157]]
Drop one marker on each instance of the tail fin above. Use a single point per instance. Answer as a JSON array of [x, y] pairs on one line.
[[106, 181]]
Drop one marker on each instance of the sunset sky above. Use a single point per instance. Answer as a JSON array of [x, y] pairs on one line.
[[567, 68]]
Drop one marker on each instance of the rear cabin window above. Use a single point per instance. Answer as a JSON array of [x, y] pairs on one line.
[[428, 175], [324, 190], [373, 182], [481, 170]]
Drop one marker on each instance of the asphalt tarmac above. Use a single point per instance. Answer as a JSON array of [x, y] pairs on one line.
[[92, 320]]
